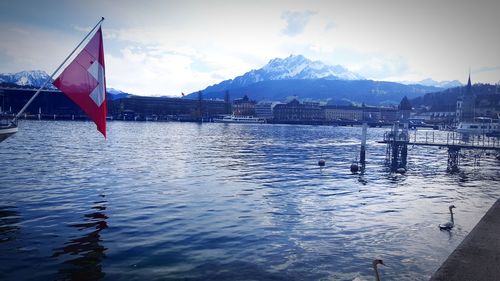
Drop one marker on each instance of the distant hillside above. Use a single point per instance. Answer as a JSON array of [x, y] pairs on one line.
[[438, 84], [447, 100], [335, 91]]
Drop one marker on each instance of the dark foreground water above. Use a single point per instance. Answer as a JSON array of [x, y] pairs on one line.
[[170, 201]]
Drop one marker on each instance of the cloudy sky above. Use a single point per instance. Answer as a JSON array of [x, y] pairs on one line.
[[168, 47]]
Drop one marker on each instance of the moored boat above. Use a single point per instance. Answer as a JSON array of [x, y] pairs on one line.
[[7, 129], [479, 126], [239, 119]]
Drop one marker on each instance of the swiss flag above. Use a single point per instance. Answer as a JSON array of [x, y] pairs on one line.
[[83, 81]]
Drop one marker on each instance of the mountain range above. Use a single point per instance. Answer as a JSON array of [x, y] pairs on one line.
[[282, 78], [434, 83], [34, 78], [291, 68], [115, 94], [306, 79]]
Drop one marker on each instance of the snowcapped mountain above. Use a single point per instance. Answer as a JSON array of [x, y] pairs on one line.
[[440, 84], [300, 77], [116, 94], [114, 91], [434, 83], [34, 78], [290, 68], [299, 67]]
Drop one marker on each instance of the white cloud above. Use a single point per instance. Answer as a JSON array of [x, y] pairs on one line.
[[148, 72], [486, 69], [168, 47], [31, 48], [379, 67], [296, 21]]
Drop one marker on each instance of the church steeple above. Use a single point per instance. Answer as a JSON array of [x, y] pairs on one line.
[[467, 104], [469, 85]]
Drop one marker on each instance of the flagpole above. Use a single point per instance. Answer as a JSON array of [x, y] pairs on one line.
[[54, 73]]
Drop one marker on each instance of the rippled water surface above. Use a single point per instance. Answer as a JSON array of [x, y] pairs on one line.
[[226, 202]]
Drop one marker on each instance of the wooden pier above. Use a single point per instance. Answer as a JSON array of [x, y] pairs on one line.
[[398, 140]]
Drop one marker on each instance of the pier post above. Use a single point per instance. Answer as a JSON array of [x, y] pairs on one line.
[[397, 143], [404, 145], [453, 159], [362, 153], [394, 161], [394, 147], [404, 155]]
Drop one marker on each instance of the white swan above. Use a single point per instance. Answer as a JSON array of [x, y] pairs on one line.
[[449, 225], [374, 263]]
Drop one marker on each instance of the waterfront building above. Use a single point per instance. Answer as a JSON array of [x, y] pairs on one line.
[[436, 117], [334, 113], [355, 113], [53, 102], [165, 108], [294, 111], [370, 113], [264, 109], [49, 102], [388, 114], [244, 107]]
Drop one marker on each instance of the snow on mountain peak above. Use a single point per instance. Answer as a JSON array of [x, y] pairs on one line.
[[291, 67], [34, 78], [433, 83], [299, 67]]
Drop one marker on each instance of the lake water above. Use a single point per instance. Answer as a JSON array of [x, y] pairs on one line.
[[170, 201]]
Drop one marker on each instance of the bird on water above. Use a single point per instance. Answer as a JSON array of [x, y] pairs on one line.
[[449, 225], [375, 263]]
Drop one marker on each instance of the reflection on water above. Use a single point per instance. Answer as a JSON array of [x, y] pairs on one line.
[[9, 223], [83, 256], [227, 202]]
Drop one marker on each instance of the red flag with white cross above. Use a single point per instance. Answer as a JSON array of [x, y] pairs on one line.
[[84, 82]]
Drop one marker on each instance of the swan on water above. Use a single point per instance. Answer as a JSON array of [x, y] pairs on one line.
[[449, 225], [374, 263]]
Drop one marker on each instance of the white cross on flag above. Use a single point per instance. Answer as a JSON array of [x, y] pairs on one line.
[[84, 82]]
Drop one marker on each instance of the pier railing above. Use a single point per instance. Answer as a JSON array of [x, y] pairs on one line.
[[439, 138], [398, 142]]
